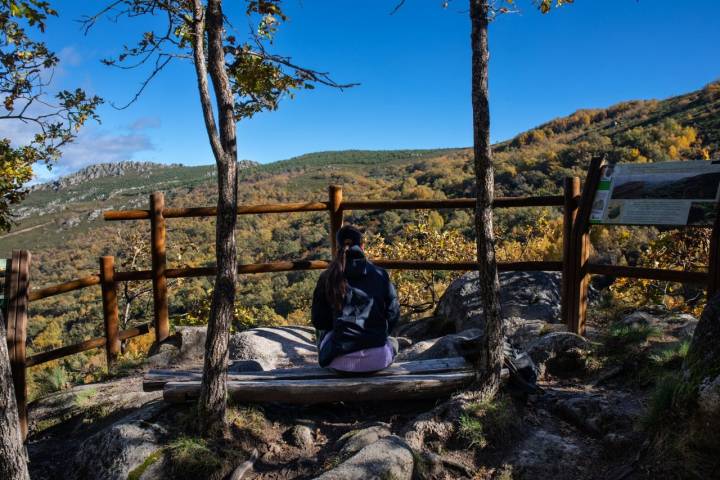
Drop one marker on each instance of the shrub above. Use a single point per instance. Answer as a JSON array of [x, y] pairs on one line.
[[52, 380]]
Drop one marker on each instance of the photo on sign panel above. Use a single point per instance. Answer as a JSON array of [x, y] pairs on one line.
[[693, 186]]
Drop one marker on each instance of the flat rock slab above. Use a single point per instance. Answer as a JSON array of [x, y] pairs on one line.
[[255, 349], [111, 397], [387, 458], [275, 347]]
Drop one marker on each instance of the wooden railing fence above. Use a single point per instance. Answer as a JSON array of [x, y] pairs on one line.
[[575, 266]]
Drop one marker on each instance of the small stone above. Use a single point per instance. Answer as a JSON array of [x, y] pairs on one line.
[[563, 352], [639, 319], [301, 437]]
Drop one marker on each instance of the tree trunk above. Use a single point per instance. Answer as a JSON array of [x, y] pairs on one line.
[[490, 362], [13, 463], [213, 394]]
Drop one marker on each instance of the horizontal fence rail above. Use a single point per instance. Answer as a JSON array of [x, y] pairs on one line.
[[90, 344], [453, 203], [77, 284], [679, 276]]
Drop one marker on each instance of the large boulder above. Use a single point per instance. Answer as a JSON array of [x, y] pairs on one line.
[[184, 348], [528, 295], [275, 347], [703, 358], [251, 350], [424, 329], [443, 347], [355, 440], [389, 457], [114, 452], [709, 396]]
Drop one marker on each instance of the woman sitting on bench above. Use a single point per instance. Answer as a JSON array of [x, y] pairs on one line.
[[354, 309]]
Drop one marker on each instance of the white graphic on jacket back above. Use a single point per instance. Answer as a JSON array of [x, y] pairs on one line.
[[356, 307]]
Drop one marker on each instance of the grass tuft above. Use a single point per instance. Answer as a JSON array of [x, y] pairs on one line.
[[53, 380], [137, 472], [192, 458], [250, 419], [489, 423], [671, 357], [623, 335], [83, 397], [662, 401]]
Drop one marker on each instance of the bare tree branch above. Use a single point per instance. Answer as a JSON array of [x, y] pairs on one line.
[[200, 64]]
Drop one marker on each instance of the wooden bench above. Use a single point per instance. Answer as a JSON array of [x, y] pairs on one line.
[[308, 385]]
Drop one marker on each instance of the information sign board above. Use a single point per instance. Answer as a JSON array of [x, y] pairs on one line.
[[666, 193]]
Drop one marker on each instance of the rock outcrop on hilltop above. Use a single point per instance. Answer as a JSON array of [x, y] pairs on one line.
[[101, 170]]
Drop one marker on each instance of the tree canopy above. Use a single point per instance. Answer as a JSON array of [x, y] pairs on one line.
[[26, 66]]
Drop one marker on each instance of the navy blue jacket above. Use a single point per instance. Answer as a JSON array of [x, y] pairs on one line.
[[370, 311]]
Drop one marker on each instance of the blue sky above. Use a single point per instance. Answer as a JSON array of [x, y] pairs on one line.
[[414, 71]]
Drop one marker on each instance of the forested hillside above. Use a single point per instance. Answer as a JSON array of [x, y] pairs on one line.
[[62, 225]]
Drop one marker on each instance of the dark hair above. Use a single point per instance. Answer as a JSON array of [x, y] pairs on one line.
[[335, 281]]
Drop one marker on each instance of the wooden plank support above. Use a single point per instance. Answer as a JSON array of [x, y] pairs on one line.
[[534, 266], [571, 195], [579, 276], [156, 379], [159, 265], [43, 357], [713, 284], [679, 276], [116, 215], [466, 203], [110, 309], [330, 390], [17, 318], [64, 287], [335, 205]]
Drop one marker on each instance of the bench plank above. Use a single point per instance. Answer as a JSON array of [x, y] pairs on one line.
[[327, 390], [156, 379]]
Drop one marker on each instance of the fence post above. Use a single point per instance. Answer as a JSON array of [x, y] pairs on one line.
[[714, 262], [579, 278], [159, 264], [335, 196], [17, 287], [571, 191], [110, 309]]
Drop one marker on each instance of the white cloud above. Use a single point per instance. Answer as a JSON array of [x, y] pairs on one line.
[[143, 123], [98, 146], [69, 56]]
